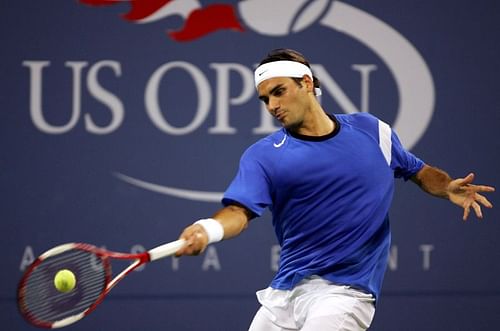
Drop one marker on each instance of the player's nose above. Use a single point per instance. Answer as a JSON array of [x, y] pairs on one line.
[[273, 106]]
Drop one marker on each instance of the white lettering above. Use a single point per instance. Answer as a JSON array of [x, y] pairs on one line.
[[27, 259], [211, 259], [393, 258], [175, 263], [223, 99], [275, 257], [364, 70], [203, 95], [107, 98], [136, 249], [330, 85], [152, 104], [36, 68], [267, 123], [426, 256]]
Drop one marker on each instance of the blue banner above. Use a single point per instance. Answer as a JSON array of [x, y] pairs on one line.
[[124, 121]]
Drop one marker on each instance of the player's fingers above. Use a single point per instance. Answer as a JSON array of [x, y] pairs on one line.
[[190, 248], [482, 199], [189, 238], [466, 180], [179, 252], [200, 242], [196, 240], [466, 214], [484, 188], [477, 210], [466, 211], [182, 251]]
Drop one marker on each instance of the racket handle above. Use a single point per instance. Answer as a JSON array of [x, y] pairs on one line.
[[165, 250]]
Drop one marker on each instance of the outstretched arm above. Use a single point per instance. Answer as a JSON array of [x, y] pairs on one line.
[[460, 191], [233, 219]]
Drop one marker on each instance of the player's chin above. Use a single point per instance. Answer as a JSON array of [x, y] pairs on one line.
[[286, 123], [291, 126]]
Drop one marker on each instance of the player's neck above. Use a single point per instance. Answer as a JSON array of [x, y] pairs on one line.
[[316, 124]]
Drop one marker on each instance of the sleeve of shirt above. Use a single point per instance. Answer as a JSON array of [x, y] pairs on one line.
[[250, 187], [403, 162]]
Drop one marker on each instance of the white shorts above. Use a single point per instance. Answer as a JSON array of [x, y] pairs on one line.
[[314, 304]]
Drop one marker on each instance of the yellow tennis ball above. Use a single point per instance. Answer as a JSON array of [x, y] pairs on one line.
[[64, 281]]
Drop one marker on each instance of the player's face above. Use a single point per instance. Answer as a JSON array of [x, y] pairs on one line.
[[286, 100]]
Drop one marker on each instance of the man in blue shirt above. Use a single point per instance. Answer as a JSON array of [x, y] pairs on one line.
[[328, 181]]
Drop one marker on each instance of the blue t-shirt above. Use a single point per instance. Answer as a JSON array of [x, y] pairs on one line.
[[329, 197]]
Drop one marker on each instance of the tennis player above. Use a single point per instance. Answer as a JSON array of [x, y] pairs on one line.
[[328, 181]]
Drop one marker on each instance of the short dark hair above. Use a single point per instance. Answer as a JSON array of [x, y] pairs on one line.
[[287, 54]]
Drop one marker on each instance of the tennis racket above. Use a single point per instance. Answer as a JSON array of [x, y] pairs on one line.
[[44, 306]]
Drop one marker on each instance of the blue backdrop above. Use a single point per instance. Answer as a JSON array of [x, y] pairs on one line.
[[118, 132]]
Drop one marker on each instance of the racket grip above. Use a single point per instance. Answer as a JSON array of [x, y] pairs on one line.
[[165, 250]]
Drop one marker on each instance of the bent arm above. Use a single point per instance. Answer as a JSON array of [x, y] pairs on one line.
[[233, 219], [459, 191]]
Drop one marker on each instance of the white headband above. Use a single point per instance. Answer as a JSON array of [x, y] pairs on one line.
[[282, 69]]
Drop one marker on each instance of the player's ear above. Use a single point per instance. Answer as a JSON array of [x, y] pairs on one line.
[[308, 83]]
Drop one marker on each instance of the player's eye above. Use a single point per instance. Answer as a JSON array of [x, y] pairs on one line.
[[265, 100], [278, 92]]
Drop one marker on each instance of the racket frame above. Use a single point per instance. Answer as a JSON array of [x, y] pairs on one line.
[[105, 255]]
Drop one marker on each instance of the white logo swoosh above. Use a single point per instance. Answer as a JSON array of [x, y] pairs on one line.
[[278, 145], [172, 191]]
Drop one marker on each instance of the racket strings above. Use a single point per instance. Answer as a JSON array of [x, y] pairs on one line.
[[41, 301]]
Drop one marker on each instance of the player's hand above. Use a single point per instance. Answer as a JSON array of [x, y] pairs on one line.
[[463, 193], [196, 240]]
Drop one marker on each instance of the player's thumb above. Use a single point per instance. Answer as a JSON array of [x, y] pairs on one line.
[[459, 182]]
